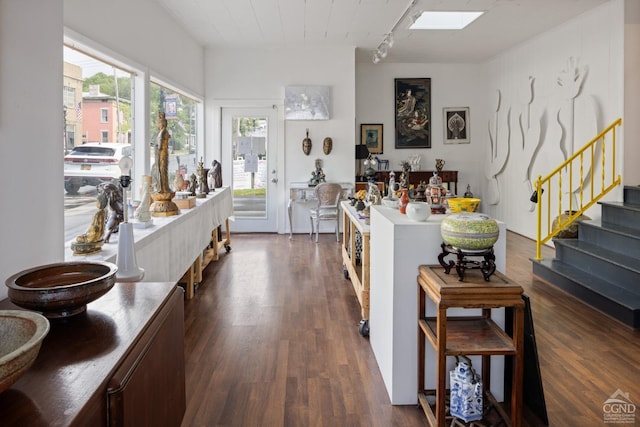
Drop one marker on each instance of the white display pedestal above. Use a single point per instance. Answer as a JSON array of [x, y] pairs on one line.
[[398, 247]]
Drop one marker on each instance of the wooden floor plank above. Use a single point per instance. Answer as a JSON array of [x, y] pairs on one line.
[[272, 339]]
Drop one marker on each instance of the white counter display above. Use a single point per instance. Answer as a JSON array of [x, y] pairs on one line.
[[168, 248], [398, 247]]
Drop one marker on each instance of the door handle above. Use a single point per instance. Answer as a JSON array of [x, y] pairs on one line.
[[274, 180]]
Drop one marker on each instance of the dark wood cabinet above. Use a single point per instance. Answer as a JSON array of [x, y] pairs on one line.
[[449, 178], [121, 363]]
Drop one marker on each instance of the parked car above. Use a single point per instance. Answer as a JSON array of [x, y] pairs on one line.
[[92, 164]]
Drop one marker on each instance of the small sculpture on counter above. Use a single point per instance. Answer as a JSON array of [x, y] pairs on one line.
[[216, 174], [468, 193], [178, 183], [142, 213], [317, 176], [203, 188], [113, 193], [392, 185], [420, 192], [404, 176], [193, 184], [436, 194], [414, 162], [374, 197], [91, 241]]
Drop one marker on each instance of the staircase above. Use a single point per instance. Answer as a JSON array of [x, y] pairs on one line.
[[602, 266]]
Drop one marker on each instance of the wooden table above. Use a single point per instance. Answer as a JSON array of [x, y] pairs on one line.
[[470, 335], [358, 274], [119, 363]]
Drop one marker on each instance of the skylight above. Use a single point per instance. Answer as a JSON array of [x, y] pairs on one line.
[[430, 20]]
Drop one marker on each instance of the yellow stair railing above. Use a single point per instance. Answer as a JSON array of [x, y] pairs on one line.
[[553, 184]]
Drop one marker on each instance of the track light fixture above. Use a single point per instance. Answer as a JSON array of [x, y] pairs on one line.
[[387, 42]]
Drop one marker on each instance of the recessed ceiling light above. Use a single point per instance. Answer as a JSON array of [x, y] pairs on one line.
[[430, 20]]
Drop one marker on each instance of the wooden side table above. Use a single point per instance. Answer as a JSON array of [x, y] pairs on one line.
[[358, 274], [478, 335]]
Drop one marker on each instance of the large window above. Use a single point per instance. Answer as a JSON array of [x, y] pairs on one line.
[[98, 95], [181, 114], [97, 113]]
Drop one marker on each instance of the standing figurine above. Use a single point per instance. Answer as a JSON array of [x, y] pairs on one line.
[[142, 214], [392, 185], [203, 189], [113, 193], [216, 174], [178, 183], [162, 154], [193, 184]]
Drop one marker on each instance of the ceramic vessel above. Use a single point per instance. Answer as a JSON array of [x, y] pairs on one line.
[[469, 230], [569, 231], [462, 204], [62, 289], [404, 200], [390, 203], [418, 211], [22, 333]]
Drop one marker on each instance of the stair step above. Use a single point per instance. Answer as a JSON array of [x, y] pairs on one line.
[[617, 238], [598, 261], [607, 297], [621, 213], [632, 194]]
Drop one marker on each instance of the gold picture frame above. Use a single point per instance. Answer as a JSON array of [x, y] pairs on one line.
[[371, 135]]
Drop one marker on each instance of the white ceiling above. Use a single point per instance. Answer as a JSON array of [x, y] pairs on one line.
[[363, 24]]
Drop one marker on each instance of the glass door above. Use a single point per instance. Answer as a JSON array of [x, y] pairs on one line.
[[248, 135]]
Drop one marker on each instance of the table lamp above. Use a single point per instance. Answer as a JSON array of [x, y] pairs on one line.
[[128, 270], [362, 152]]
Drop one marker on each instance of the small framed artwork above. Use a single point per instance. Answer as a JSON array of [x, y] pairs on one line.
[[413, 113], [456, 125], [371, 136]]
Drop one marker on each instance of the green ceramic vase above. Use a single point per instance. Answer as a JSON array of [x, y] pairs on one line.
[[469, 230]]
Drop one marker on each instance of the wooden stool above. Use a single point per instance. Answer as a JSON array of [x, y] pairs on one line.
[[477, 335]]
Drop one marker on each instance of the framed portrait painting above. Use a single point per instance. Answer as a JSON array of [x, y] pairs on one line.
[[456, 125], [413, 113], [371, 136]]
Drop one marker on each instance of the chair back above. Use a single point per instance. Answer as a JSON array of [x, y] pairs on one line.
[[328, 194]]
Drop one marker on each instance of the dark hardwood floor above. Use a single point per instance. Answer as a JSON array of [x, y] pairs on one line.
[[272, 340]]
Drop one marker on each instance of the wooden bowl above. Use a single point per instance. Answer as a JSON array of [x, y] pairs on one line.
[[22, 333], [62, 289]]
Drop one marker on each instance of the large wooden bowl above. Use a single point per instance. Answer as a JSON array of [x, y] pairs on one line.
[[63, 289], [22, 333]]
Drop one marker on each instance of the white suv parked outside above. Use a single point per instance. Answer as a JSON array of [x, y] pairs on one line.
[[92, 164]]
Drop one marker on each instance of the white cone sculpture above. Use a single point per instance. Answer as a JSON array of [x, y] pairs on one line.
[[128, 270]]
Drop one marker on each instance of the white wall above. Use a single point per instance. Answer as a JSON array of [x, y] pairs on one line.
[[235, 76], [595, 41], [144, 32], [31, 219], [632, 89], [452, 85]]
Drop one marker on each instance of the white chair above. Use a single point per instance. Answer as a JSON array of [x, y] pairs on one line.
[[328, 195]]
